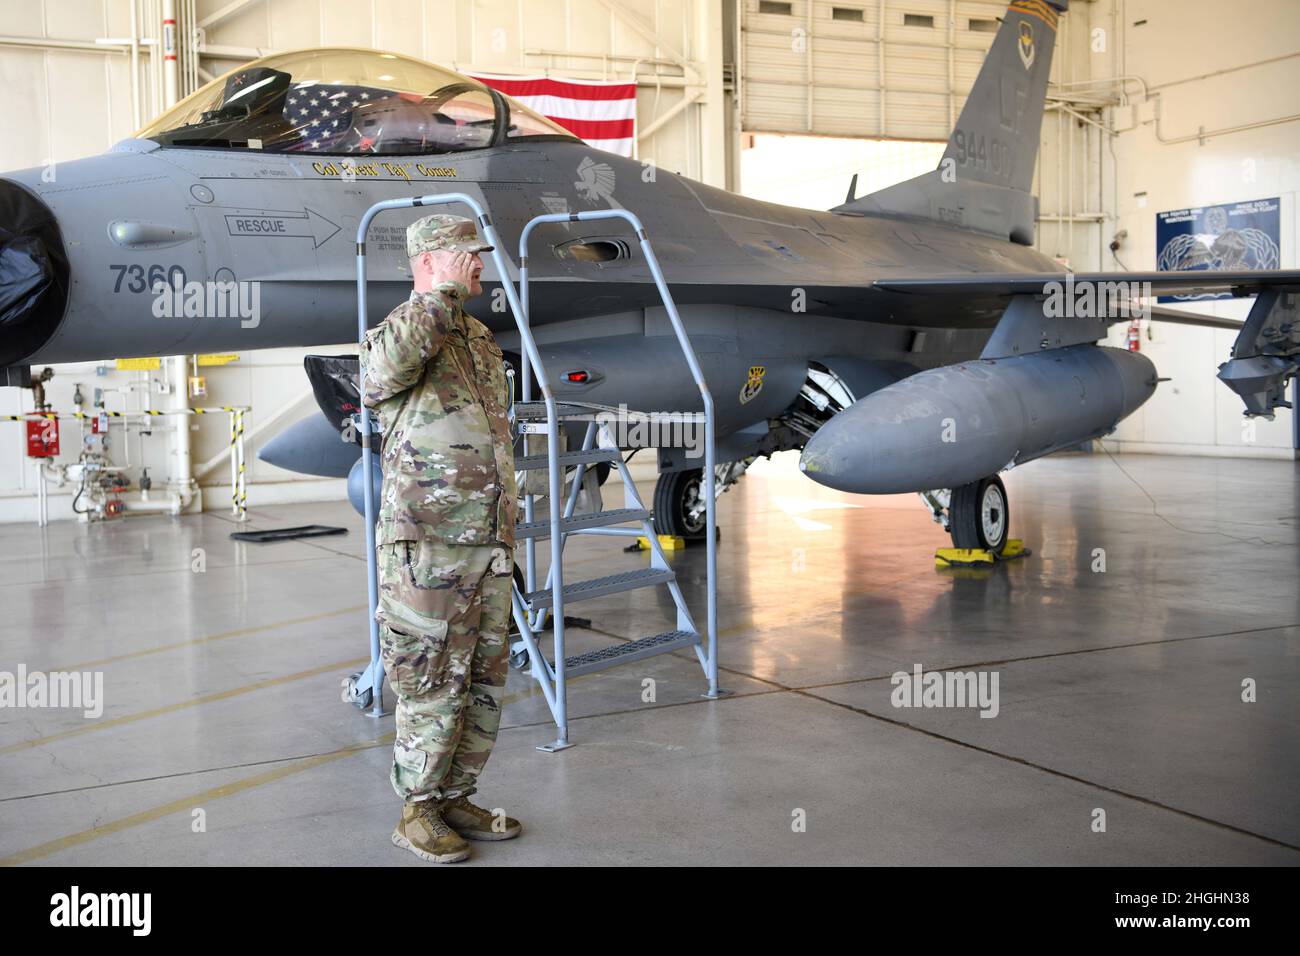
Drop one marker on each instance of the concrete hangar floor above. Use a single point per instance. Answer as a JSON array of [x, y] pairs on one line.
[[1119, 691]]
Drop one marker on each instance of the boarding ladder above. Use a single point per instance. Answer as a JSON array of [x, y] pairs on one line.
[[533, 606]]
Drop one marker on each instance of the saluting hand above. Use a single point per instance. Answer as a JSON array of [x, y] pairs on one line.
[[456, 266]]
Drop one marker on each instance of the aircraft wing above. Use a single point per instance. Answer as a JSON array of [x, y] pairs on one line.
[[1238, 282]]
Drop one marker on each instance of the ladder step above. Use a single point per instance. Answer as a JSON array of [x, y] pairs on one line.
[[633, 651], [535, 411], [542, 529], [527, 462], [597, 587]]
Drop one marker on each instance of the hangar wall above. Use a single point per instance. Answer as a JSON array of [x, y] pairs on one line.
[[1211, 117], [69, 94], [1134, 83], [1203, 114]]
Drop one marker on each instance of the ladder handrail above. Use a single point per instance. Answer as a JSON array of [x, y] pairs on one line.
[[684, 342], [518, 302]]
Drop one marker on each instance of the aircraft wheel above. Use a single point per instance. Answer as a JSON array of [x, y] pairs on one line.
[[979, 516], [679, 507]]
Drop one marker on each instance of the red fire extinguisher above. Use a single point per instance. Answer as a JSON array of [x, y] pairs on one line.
[[1135, 336]]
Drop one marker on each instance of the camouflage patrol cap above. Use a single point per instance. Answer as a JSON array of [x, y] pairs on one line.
[[442, 231]]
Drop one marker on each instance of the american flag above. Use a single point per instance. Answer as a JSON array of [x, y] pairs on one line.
[[601, 114], [322, 114]]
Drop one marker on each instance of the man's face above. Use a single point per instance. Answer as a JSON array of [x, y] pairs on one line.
[[476, 271], [444, 264]]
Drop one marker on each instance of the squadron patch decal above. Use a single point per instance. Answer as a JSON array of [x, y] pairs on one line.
[[753, 385], [1026, 46]]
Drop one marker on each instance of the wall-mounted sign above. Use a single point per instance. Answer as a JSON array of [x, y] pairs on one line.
[[1232, 236]]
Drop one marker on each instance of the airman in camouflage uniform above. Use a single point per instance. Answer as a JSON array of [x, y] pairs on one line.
[[444, 538]]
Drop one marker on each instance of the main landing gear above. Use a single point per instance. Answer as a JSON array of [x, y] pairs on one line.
[[679, 506], [977, 515]]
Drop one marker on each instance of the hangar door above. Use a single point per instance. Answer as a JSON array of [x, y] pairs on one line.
[[892, 69]]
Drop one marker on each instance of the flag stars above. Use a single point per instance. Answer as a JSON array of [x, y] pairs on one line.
[[321, 114]]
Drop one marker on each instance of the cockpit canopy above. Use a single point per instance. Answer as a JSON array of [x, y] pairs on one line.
[[347, 101]]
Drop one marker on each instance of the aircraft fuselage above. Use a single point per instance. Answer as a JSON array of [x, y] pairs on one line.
[[142, 213]]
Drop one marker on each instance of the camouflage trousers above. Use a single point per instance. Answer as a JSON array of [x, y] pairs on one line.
[[444, 616]]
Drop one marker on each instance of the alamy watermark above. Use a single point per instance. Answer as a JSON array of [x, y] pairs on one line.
[[129, 910], [655, 429], [76, 690], [177, 299], [1086, 299], [977, 689]]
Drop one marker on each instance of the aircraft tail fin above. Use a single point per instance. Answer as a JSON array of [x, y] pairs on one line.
[[991, 153], [996, 137]]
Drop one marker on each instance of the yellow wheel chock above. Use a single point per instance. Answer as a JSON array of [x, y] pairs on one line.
[[977, 557], [668, 542]]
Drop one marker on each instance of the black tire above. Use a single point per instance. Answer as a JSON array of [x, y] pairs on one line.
[[676, 493], [603, 468], [968, 522]]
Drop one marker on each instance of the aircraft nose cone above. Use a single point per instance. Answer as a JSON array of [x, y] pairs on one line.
[[828, 458], [33, 272]]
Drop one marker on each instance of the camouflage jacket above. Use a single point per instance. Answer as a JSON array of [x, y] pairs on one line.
[[436, 379]]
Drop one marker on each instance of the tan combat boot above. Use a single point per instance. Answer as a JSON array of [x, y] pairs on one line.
[[475, 823], [423, 832]]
